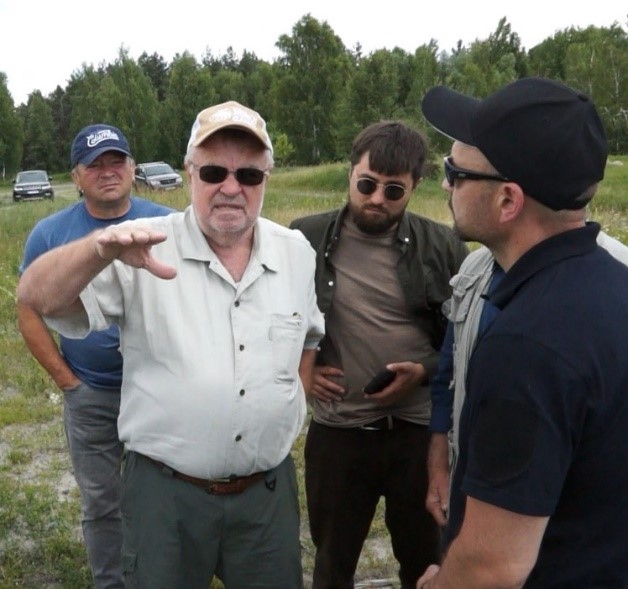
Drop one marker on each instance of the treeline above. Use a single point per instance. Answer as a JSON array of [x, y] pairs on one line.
[[315, 97]]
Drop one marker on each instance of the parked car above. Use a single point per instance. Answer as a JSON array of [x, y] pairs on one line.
[[157, 176], [32, 184]]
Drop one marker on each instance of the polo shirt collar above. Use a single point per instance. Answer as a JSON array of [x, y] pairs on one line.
[[575, 242]]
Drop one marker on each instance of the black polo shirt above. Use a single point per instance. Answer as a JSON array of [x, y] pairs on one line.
[[544, 428]]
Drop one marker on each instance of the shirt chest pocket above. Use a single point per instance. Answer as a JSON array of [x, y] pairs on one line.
[[286, 339], [462, 296]]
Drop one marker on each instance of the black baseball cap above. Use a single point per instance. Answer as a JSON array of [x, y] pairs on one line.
[[539, 133]]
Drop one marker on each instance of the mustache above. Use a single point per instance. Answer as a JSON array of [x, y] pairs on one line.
[[230, 201], [371, 207]]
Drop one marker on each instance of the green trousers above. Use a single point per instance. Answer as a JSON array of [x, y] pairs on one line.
[[177, 536]]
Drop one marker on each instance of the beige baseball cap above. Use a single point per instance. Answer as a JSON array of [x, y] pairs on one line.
[[228, 114]]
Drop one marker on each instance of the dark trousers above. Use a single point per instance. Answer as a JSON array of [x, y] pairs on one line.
[[347, 470]]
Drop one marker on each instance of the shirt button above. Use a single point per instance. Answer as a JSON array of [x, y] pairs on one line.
[[331, 283], [238, 438], [242, 392], [237, 303], [241, 347]]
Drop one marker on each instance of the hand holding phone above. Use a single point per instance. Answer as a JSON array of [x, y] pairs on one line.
[[380, 381]]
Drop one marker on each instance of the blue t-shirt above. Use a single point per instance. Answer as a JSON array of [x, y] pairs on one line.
[[96, 360]]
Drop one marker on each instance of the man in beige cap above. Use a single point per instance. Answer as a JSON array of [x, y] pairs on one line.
[[218, 317]]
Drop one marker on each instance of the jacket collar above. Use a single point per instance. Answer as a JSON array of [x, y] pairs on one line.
[[403, 231]]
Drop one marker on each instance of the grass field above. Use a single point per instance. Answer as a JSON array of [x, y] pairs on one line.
[[40, 543]]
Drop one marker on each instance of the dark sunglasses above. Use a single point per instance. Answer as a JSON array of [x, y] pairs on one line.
[[391, 191], [453, 173], [217, 174]]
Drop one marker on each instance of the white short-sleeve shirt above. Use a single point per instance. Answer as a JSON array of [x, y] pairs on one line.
[[210, 382]]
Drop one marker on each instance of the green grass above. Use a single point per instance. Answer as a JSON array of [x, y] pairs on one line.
[[40, 544]]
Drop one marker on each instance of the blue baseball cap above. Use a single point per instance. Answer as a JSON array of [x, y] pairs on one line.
[[94, 140]]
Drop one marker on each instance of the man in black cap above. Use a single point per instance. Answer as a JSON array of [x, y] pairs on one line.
[[542, 430], [89, 371]]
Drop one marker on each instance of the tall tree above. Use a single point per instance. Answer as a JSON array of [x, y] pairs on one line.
[[156, 68], [61, 112], [504, 42], [131, 105], [547, 59], [371, 94], [189, 91], [310, 80], [39, 133], [597, 64], [10, 132], [85, 97]]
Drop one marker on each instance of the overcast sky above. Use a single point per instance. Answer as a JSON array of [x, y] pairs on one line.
[[42, 42]]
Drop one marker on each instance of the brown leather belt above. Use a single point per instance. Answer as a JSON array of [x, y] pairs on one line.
[[227, 486]]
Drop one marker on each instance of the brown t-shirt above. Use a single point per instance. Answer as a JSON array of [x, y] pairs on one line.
[[369, 326]]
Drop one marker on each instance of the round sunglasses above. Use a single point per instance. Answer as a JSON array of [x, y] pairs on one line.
[[216, 174], [392, 191]]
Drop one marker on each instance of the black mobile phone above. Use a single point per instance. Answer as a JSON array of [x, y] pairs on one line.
[[380, 381]]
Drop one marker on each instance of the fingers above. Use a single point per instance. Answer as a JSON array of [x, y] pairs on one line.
[[131, 243], [428, 575], [411, 370], [159, 269], [437, 498], [117, 237], [439, 514], [323, 387]]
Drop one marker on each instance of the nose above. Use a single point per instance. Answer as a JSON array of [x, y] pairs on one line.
[[230, 185], [106, 168], [378, 196]]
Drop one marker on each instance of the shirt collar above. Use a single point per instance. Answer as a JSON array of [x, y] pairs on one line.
[[194, 246], [567, 244]]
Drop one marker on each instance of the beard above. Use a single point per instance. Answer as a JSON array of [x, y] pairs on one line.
[[371, 222]]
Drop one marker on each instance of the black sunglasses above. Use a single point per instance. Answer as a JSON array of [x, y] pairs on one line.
[[217, 174], [453, 173], [392, 191]]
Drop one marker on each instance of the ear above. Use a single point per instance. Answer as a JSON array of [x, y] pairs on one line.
[[75, 178], [511, 201]]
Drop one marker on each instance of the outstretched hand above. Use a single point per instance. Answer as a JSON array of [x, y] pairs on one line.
[[131, 243]]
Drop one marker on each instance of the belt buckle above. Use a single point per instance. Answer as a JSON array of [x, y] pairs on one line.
[[369, 427], [223, 486]]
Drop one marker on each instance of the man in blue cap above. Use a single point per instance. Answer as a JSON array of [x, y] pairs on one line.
[[89, 371], [542, 429]]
